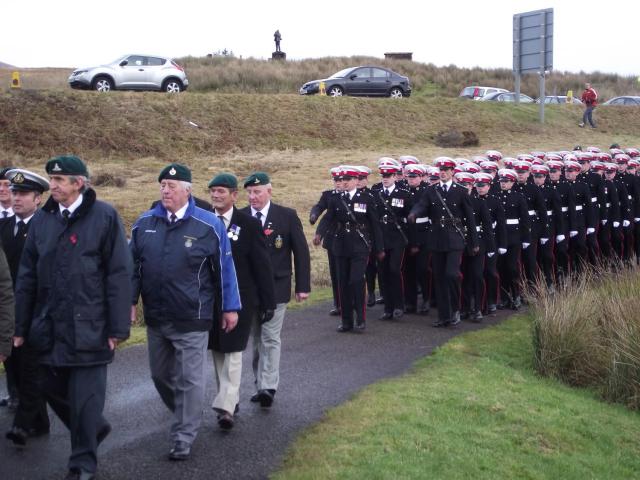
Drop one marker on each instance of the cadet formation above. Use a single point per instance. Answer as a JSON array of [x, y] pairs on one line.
[[457, 239]]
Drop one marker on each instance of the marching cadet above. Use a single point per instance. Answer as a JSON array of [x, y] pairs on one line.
[[492, 279], [553, 207], [611, 240], [632, 184], [518, 239], [490, 167], [316, 211], [31, 418], [448, 206], [415, 273], [393, 203], [537, 211], [433, 175], [626, 209], [568, 209], [585, 224], [596, 187], [363, 177], [632, 171], [473, 287], [357, 233]]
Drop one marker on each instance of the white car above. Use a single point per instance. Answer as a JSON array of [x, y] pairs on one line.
[[132, 72], [476, 92]]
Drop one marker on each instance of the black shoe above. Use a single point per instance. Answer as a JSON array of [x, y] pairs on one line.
[[18, 436], [380, 300], [371, 300], [424, 307], [477, 317], [455, 320], [334, 312], [255, 397], [440, 323], [410, 309], [517, 303], [103, 433], [360, 326], [343, 328], [75, 474], [397, 313], [465, 315], [180, 451], [38, 432], [265, 397], [492, 309], [386, 316], [225, 421]]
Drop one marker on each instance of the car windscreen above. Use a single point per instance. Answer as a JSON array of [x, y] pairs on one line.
[[341, 73], [469, 92]]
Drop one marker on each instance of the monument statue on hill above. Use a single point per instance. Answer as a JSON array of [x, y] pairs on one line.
[[278, 54]]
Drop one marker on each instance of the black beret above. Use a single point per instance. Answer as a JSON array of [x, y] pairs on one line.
[[175, 171], [66, 165], [224, 180]]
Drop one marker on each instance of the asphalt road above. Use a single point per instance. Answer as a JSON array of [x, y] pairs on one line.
[[320, 368]]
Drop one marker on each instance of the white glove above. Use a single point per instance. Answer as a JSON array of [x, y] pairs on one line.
[[502, 251], [636, 219], [560, 238], [590, 230], [573, 233], [490, 254], [616, 224], [604, 222], [626, 223], [525, 245], [543, 241]]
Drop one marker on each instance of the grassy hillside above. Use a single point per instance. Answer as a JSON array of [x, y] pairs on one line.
[[235, 75]]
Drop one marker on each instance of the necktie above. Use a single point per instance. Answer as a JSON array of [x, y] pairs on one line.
[[221, 218], [5, 214], [173, 218], [444, 187], [19, 228], [65, 214], [259, 216], [386, 192]]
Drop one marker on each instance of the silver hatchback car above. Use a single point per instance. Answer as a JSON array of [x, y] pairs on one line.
[[132, 72]]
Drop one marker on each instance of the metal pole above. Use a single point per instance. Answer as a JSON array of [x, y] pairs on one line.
[[516, 55], [543, 61], [541, 96]]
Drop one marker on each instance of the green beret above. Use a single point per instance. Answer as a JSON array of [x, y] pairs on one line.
[[3, 173], [175, 171], [224, 180], [66, 165], [257, 178]]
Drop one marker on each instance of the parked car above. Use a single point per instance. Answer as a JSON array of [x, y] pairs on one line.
[[132, 72], [506, 97], [624, 100], [476, 93], [362, 81], [559, 99]]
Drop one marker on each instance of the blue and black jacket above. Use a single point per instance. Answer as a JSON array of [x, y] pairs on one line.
[[178, 267]]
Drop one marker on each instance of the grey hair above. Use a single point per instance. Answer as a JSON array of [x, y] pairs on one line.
[[86, 183], [186, 185]]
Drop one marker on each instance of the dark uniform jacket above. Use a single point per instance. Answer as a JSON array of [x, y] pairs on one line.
[[74, 283], [567, 206], [419, 230], [553, 205], [484, 226], [632, 184], [517, 220], [13, 244], [596, 187], [393, 210], [316, 211], [179, 267], [498, 224], [583, 206], [6, 307], [612, 202], [443, 234], [536, 209], [357, 229], [626, 205], [285, 237], [255, 281]]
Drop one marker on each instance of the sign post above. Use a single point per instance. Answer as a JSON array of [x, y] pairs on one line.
[[533, 48]]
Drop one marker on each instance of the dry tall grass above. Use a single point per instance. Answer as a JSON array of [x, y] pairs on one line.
[[588, 333]]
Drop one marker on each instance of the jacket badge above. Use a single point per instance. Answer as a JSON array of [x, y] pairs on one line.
[[234, 232], [18, 178], [360, 207], [397, 202], [269, 230], [189, 241], [278, 243]]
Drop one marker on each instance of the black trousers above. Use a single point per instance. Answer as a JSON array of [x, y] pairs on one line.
[[77, 395], [593, 248], [351, 278], [530, 261], [628, 242], [546, 260], [333, 273], [12, 371], [416, 276], [473, 287], [492, 279], [446, 276], [372, 273], [390, 269], [32, 410], [509, 270], [578, 251]]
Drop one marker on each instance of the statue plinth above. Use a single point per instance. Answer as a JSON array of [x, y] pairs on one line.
[[278, 56]]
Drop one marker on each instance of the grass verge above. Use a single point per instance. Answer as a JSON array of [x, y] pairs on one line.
[[474, 409]]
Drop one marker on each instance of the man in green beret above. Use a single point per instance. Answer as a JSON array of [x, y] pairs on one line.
[[285, 241], [255, 281], [73, 297]]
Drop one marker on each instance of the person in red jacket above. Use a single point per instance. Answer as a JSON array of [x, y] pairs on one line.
[[590, 100]]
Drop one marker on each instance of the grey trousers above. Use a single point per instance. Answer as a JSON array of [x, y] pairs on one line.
[[177, 361], [266, 350]]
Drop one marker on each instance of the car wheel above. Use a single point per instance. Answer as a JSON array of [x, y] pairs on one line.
[[335, 91], [103, 84], [396, 92], [172, 86]]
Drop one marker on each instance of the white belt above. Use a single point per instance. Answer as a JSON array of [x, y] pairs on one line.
[[608, 205], [423, 220], [493, 225], [512, 221], [532, 212], [594, 199], [578, 208], [630, 197], [565, 209], [549, 213], [478, 228]]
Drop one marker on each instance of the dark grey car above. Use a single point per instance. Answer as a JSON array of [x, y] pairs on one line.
[[368, 81]]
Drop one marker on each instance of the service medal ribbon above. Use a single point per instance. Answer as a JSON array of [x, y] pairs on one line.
[[234, 232]]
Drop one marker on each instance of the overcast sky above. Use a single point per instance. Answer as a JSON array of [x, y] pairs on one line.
[[588, 35]]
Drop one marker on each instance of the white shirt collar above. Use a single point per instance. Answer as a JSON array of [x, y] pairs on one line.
[[226, 217], [73, 207], [264, 211], [391, 188], [352, 193], [180, 213], [25, 220], [8, 210], [448, 184]]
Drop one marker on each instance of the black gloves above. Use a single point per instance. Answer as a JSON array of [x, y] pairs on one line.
[[266, 315]]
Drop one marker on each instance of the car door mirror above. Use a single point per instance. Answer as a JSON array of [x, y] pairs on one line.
[[124, 62], [353, 77]]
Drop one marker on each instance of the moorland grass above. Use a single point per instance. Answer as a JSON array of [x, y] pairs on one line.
[[474, 409]]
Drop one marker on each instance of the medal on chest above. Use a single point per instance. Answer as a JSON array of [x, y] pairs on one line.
[[278, 242], [397, 202], [189, 241], [360, 207], [234, 232]]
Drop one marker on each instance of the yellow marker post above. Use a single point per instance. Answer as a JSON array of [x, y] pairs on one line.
[[322, 89], [570, 96], [15, 80]]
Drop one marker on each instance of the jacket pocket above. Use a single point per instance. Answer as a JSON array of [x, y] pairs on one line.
[[40, 335], [90, 330]]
